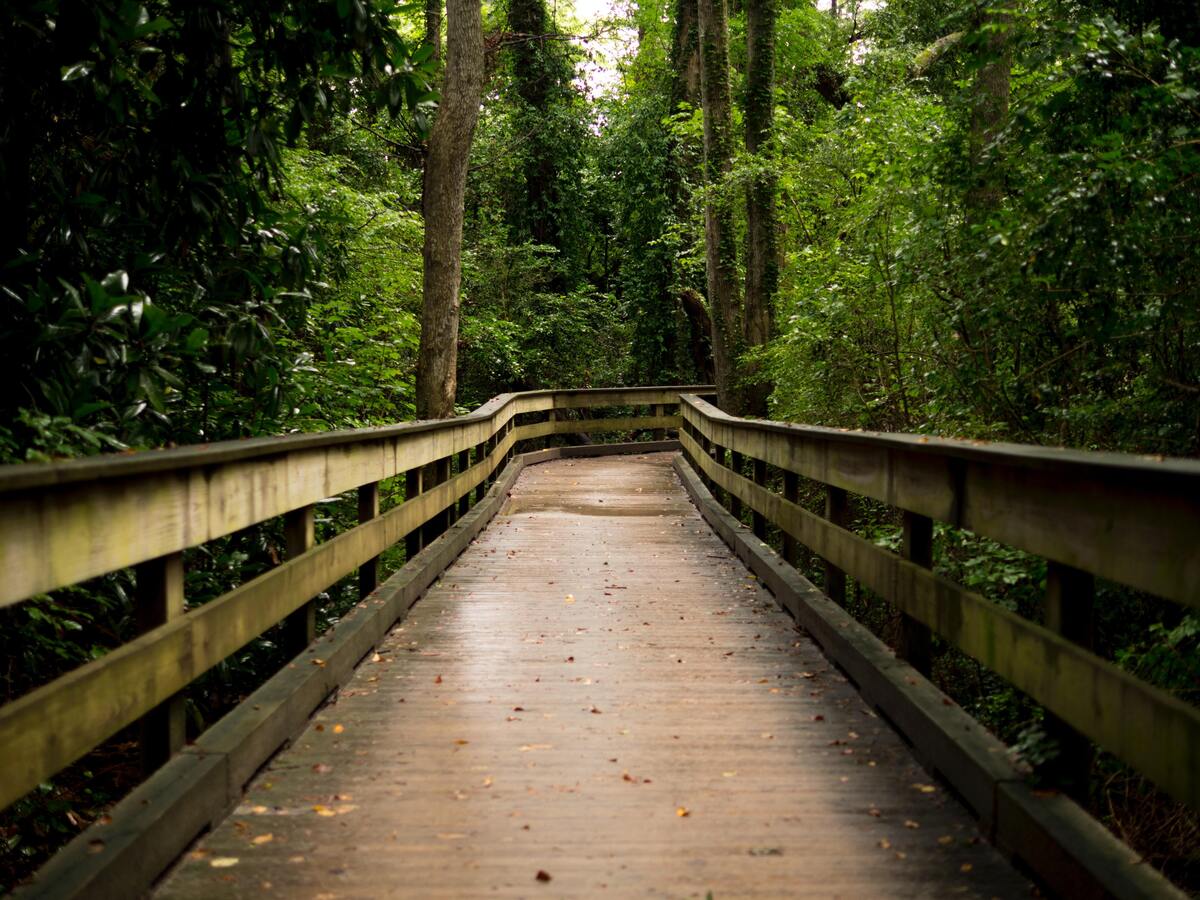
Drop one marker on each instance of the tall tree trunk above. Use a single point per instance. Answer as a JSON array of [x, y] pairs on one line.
[[989, 111], [685, 55], [433, 26], [720, 242], [762, 266], [445, 185]]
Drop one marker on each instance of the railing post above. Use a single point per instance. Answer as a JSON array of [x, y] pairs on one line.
[[758, 520], [660, 410], [159, 599], [913, 640], [791, 493], [464, 502], [299, 529], [412, 490], [1070, 594], [481, 452], [738, 464], [368, 508], [720, 457], [437, 472], [837, 512]]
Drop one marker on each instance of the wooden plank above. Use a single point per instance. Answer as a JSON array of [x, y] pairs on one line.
[[1152, 731], [1070, 851], [431, 796], [51, 727], [124, 853], [1127, 518], [368, 508], [62, 523], [159, 599], [299, 531]]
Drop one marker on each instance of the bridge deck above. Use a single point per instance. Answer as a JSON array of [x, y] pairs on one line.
[[597, 691]]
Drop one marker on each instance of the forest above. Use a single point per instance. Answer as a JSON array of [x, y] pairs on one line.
[[975, 219]]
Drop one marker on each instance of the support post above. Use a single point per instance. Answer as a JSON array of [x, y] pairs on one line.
[[1070, 596], [913, 639], [738, 464], [412, 490], [660, 434], [791, 493], [837, 512], [437, 472], [368, 508], [481, 452], [159, 599], [758, 520], [464, 502], [299, 529]]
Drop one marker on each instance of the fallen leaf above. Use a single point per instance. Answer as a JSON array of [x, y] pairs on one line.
[[925, 788], [542, 875], [885, 844], [461, 742], [321, 769], [945, 840], [438, 680], [766, 851], [223, 862], [315, 662], [728, 774], [451, 836], [96, 846], [874, 812], [338, 729], [909, 823], [965, 868], [683, 812], [263, 839]]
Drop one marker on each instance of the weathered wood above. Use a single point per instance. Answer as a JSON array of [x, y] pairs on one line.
[[62, 523], [122, 854], [159, 600], [791, 493], [1146, 727], [837, 511], [368, 508], [758, 522], [1070, 851], [464, 502], [913, 639], [1069, 599], [56, 724], [412, 490], [616, 731], [1060, 504], [738, 464], [300, 627], [659, 411]]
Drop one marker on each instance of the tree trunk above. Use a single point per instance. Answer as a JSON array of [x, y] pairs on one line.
[[762, 267], [989, 112], [433, 26], [720, 244], [445, 185]]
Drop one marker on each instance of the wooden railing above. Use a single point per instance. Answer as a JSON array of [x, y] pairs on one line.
[[1132, 520], [64, 523]]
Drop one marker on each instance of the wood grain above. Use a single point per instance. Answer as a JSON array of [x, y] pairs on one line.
[[596, 663]]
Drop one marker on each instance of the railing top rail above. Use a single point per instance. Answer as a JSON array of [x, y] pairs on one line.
[[27, 476], [995, 452]]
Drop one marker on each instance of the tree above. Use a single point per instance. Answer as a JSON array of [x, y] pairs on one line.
[[720, 238], [762, 267], [445, 186]]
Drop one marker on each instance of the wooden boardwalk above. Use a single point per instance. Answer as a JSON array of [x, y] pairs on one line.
[[597, 699]]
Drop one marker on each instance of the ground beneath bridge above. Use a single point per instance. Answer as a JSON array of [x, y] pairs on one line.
[[596, 700]]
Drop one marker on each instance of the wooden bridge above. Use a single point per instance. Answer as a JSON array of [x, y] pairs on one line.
[[616, 681]]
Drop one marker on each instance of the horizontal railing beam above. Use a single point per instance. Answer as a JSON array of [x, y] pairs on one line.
[[1130, 519]]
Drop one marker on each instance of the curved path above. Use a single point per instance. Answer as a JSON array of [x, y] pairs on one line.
[[596, 700]]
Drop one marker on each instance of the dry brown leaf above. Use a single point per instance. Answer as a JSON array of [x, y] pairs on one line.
[[263, 839], [683, 812]]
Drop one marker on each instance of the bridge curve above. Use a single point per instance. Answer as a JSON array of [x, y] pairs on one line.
[[597, 697]]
